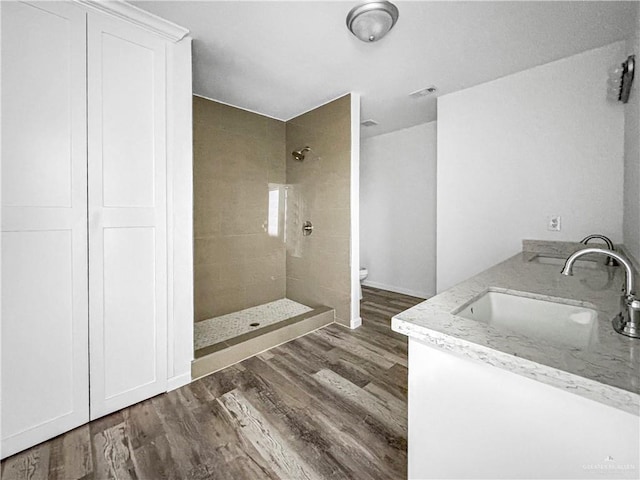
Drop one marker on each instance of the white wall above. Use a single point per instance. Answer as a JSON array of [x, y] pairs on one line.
[[398, 210], [516, 150], [632, 156]]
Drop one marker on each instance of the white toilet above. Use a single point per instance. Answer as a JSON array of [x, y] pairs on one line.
[[363, 274]]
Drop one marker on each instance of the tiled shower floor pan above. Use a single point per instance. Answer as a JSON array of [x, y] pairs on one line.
[[218, 330]]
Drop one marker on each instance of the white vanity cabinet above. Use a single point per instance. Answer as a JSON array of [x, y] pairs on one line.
[[469, 420], [85, 213]]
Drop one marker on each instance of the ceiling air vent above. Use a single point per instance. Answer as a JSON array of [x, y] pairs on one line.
[[369, 123], [423, 92]]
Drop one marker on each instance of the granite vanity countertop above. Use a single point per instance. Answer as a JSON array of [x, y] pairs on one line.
[[607, 371]]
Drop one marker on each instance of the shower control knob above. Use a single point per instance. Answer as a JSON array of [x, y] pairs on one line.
[[307, 228]]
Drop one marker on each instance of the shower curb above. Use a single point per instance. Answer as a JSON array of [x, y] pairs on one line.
[[208, 363]]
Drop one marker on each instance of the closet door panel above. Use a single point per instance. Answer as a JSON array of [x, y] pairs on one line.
[[129, 308], [37, 308], [128, 123], [45, 379], [127, 215], [37, 169]]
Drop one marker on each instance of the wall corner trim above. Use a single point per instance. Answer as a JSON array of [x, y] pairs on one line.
[[139, 17], [354, 205]]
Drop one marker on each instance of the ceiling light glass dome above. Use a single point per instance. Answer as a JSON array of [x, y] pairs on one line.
[[372, 20]]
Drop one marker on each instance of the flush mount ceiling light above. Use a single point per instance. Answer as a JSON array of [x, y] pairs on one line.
[[372, 20]]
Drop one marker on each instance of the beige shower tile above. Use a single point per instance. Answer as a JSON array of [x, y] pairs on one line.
[[204, 111], [256, 245], [264, 270], [229, 118], [231, 275], [279, 260], [276, 131], [205, 276], [209, 145], [252, 193], [279, 263], [246, 221], [332, 222], [202, 312], [294, 172], [229, 300], [218, 250], [338, 300], [240, 158], [336, 164], [275, 155], [208, 194], [336, 276], [333, 116], [304, 172], [275, 246], [329, 145], [303, 291], [297, 268], [343, 313], [232, 248], [274, 148], [264, 292], [243, 167], [297, 136], [205, 250], [244, 122], [239, 197], [336, 249], [333, 178], [206, 222], [277, 173], [334, 194], [237, 154]]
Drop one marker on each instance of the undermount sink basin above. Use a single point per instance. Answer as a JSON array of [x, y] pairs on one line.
[[555, 322], [559, 261]]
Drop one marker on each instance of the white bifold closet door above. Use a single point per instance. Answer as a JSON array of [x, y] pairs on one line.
[[45, 381], [127, 214]]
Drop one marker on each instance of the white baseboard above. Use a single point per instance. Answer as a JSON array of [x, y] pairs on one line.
[[178, 381], [393, 288], [355, 323]]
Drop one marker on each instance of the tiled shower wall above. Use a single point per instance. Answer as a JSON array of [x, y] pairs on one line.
[[236, 155], [321, 275]]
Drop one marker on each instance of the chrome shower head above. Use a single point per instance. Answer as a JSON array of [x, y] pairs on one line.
[[299, 154]]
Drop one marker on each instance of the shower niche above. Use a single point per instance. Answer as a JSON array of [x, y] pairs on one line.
[[259, 278]]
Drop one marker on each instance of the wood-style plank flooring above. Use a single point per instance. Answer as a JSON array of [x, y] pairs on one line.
[[332, 404]]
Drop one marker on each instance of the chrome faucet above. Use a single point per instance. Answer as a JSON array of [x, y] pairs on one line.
[[627, 322], [610, 260]]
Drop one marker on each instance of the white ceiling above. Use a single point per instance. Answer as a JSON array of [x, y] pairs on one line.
[[284, 58]]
